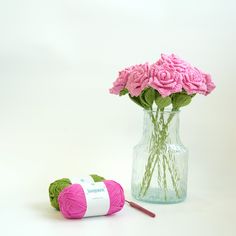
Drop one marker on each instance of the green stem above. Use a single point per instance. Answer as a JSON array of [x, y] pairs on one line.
[[153, 157], [172, 177], [157, 142], [164, 178], [148, 169], [158, 172]]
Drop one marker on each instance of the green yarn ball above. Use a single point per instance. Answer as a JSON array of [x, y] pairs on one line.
[[97, 178], [57, 186], [54, 190]]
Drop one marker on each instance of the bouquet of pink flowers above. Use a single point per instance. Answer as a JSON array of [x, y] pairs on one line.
[[170, 83], [170, 80]]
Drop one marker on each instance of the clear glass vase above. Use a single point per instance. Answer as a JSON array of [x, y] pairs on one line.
[[160, 162]]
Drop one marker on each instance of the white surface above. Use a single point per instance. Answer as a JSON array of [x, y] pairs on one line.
[[57, 61]]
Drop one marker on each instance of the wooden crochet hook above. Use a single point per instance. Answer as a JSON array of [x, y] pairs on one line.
[[139, 208]]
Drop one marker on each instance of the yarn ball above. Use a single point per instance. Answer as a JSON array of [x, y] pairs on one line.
[[57, 186], [116, 195], [97, 178], [73, 205], [54, 190]]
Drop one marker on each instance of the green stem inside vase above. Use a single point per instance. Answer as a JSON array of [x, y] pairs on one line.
[[158, 158]]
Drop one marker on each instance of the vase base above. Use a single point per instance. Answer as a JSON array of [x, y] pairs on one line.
[[156, 196]]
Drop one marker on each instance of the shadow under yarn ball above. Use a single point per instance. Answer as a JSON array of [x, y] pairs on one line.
[[57, 186]]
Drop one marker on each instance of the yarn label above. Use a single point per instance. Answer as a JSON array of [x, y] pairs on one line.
[[82, 179], [97, 198]]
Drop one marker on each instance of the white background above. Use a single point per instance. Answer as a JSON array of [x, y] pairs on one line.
[[57, 119]]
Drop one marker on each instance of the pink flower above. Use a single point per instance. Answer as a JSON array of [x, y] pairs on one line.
[[209, 83], [121, 81], [173, 63], [194, 82], [165, 81], [168, 75], [138, 79]]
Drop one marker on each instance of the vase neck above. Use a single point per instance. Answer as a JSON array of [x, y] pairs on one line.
[[159, 122]]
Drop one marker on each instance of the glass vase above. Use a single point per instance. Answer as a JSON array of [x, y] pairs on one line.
[[160, 161]]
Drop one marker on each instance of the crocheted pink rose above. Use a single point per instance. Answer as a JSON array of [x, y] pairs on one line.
[[209, 83], [194, 81], [165, 81], [173, 63], [138, 79], [121, 81]]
